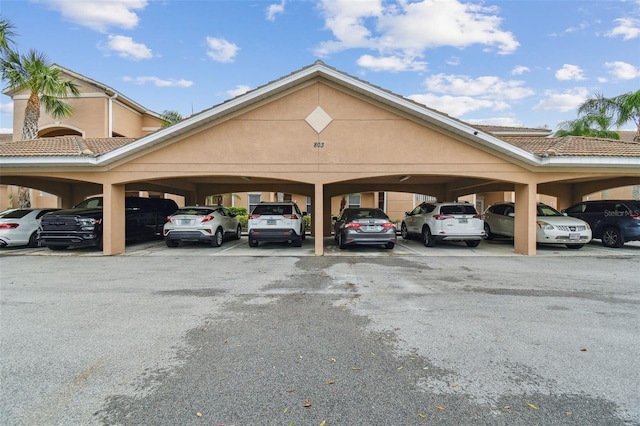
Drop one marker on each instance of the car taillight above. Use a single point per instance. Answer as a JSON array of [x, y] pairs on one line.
[[388, 225], [291, 216], [168, 219], [477, 216], [442, 216], [254, 216], [352, 225], [9, 225], [635, 216], [206, 219]]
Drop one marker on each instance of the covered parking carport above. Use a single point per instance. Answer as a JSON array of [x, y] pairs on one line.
[[320, 133]]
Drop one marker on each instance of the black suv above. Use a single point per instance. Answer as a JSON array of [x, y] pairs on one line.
[[613, 221], [82, 225]]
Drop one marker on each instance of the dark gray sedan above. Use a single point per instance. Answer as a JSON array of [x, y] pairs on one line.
[[367, 226]]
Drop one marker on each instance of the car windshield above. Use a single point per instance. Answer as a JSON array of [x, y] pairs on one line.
[[90, 203], [194, 211], [458, 209], [544, 210], [16, 214], [276, 209], [366, 214]]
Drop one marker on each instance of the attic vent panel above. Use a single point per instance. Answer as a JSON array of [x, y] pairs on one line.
[[318, 119]]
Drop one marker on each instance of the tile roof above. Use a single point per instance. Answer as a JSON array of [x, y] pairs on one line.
[[74, 146], [66, 146], [576, 146]]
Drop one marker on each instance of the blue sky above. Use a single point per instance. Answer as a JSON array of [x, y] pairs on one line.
[[513, 63]]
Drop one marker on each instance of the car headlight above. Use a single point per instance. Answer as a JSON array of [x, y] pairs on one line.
[[87, 223], [544, 225]]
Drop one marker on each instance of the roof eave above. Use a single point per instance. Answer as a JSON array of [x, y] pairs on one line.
[[44, 161], [590, 161]]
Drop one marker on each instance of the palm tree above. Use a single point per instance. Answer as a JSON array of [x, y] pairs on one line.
[[6, 35], [169, 117], [45, 84], [600, 114], [628, 109]]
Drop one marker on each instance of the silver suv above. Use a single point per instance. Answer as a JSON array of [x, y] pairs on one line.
[[444, 222], [278, 222]]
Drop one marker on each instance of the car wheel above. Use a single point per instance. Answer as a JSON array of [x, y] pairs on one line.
[[57, 248], [488, 234], [575, 246], [238, 234], [472, 243], [217, 238], [427, 238], [33, 240], [611, 237], [171, 243], [389, 245], [341, 243], [253, 242], [404, 231]]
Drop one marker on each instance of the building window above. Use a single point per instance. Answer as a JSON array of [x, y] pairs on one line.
[[254, 200], [421, 198], [354, 200], [381, 201], [308, 205]]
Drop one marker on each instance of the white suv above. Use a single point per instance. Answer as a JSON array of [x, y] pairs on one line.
[[278, 222], [444, 222]]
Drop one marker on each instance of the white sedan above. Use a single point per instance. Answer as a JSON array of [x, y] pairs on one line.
[[552, 227], [19, 227]]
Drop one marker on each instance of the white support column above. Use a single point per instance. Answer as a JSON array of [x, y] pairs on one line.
[[525, 219], [318, 219], [113, 220]]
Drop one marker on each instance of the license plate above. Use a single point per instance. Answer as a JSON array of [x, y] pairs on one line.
[[574, 236], [271, 221], [463, 220], [372, 228], [185, 222]]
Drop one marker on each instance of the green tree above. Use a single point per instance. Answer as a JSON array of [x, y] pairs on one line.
[[628, 109], [6, 35], [597, 116], [169, 117], [45, 84]]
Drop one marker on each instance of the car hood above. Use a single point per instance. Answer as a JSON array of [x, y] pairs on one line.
[[75, 212], [561, 220]]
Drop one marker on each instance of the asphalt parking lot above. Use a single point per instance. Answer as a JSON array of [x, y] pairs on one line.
[[413, 247], [233, 336]]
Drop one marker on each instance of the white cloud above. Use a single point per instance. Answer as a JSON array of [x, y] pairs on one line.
[[484, 86], [563, 102], [453, 61], [462, 94], [6, 108], [496, 121], [158, 82], [570, 72], [240, 89], [627, 28], [406, 29], [275, 9], [221, 50], [99, 15], [457, 106], [391, 63], [6, 130], [519, 70], [622, 70], [125, 47]]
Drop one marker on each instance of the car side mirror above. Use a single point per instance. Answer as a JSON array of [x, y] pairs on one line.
[[334, 218], [407, 213], [511, 215]]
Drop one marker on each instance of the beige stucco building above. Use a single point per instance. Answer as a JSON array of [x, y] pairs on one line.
[[312, 136]]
